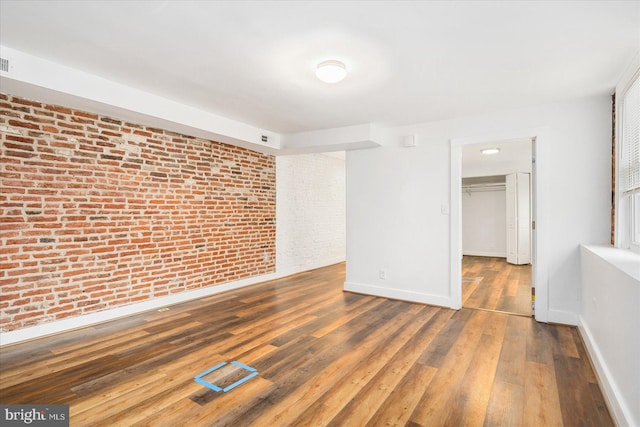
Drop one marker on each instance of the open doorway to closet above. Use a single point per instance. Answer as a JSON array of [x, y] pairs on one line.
[[496, 208]]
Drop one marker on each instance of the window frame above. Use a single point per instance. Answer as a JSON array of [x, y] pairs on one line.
[[627, 207], [634, 219]]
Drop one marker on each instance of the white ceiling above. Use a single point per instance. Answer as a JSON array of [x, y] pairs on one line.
[[514, 156], [408, 62]]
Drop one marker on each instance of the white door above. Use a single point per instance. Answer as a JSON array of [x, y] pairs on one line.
[[524, 218], [512, 219], [518, 218]]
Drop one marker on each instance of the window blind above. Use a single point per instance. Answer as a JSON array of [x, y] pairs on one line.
[[631, 137]]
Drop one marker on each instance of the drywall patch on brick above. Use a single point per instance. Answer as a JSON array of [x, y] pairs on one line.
[[97, 213]]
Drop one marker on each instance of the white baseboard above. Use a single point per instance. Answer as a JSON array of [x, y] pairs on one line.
[[487, 254], [63, 325], [562, 317], [398, 294], [612, 394]]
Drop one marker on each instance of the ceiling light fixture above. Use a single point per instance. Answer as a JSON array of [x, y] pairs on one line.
[[331, 71], [488, 151]]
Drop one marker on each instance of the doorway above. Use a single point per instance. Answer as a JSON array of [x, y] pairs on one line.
[[491, 283], [495, 269]]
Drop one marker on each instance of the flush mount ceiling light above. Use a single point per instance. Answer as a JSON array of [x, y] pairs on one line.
[[488, 151], [331, 71]]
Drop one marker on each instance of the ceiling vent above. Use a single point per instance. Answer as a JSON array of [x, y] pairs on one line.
[[4, 65]]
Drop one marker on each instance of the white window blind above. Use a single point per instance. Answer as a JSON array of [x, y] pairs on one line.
[[630, 166]]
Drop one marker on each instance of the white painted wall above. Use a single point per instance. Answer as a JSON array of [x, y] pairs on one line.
[[310, 212], [484, 223], [394, 198], [609, 324]]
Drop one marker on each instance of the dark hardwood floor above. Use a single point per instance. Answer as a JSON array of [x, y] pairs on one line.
[[493, 284], [323, 356]]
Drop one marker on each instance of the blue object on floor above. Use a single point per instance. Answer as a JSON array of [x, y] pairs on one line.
[[199, 380]]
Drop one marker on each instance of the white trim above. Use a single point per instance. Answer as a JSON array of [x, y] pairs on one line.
[[63, 325], [613, 397], [455, 225], [378, 291], [622, 233], [562, 317], [624, 260], [487, 254], [540, 210]]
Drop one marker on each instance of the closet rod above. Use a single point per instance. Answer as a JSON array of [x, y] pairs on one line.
[[484, 187]]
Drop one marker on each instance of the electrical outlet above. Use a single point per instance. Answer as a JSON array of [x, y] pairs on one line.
[[382, 274]]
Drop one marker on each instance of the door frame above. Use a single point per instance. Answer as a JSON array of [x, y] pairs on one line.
[[539, 139]]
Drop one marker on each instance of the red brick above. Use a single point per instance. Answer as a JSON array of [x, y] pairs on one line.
[[84, 114], [16, 100], [58, 109], [124, 231], [61, 308], [21, 124]]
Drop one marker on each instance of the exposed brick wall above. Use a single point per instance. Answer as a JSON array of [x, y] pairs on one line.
[[99, 213], [613, 169]]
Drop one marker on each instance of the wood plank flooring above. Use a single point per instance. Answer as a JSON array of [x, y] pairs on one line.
[[324, 358], [493, 284]]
